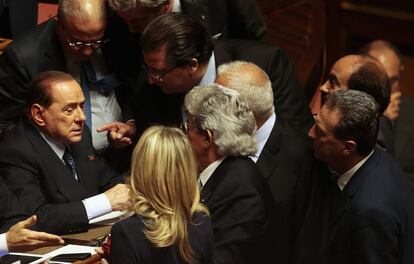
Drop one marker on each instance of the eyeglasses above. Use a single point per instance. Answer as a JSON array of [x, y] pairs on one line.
[[159, 76], [185, 127], [92, 44]]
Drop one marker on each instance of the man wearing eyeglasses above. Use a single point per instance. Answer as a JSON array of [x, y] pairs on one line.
[[180, 53], [74, 42]]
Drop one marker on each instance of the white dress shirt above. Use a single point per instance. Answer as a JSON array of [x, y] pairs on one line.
[[4, 250], [96, 205], [263, 134], [207, 172], [343, 179]]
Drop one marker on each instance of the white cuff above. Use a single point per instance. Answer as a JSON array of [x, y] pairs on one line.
[[4, 250], [97, 205]]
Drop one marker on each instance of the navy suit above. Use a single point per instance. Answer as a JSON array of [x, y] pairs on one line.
[[130, 245], [241, 209], [373, 219], [45, 186]]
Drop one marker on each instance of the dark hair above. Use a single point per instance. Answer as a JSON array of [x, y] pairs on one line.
[[359, 118], [39, 91], [372, 79], [183, 37]]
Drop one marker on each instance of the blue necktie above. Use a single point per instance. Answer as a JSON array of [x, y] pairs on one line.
[[89, 82], [70, 163]]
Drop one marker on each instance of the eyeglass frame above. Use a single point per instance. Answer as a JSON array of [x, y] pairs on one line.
[[159, 77], [93, 44]]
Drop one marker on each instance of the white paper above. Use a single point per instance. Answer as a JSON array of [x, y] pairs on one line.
[[41, 260]]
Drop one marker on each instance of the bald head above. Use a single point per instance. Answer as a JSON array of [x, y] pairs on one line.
[[389, 56], [252, 83], [83, 10]]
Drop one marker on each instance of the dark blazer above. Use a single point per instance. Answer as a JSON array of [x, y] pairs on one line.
[[373, 220], [11, 211], [286, 159], [37, 51], [17, 17], [241, 209], [153, 106], [404, 137], [385, 138], [44, 185], [130, 245]]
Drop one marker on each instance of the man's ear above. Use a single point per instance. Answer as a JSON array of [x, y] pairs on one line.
[[37, 113], [208, 139], [350, 147], [168, 6], [193, 65]]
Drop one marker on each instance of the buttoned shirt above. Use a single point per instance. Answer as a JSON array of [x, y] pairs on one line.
[[263, 134]]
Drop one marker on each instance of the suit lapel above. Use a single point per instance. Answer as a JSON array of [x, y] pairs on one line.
[[214, 181], [57, 170]]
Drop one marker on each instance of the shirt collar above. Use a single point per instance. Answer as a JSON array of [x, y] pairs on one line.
[[263, 134], [207, 172], [177, 6], [56, 146], [210, 75], [343, 179]]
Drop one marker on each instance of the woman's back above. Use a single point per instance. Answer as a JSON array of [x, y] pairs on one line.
[[130, 245]]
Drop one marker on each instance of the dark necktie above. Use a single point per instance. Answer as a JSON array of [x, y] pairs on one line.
[[70, 162], [89, 82]]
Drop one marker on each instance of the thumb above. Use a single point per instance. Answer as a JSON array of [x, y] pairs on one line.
[[29, 221]]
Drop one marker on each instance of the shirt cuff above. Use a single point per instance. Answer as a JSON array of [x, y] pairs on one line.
[[4, 250], [97, 205]]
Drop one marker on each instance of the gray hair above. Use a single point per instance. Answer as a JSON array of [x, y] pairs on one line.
[[252, 83], [82, 9], [123, 5], [227, 115], [359, 118]]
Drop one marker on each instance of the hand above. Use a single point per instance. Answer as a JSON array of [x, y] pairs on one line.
[[20, 238], [393, 108], [119, 198], [119, 134]]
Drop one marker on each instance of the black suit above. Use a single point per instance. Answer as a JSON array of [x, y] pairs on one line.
[[11, 211], [286, 160], [37, 51], [17, 17], [241, 209], [373, 220], [44, 185], [404, 138], [130, 245], [153, 106]]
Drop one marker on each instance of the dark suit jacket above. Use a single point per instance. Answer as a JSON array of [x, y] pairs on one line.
[[286, 159], [11, 211], [17, 17], [130, 245], [37, 51], [44, 185], [385, 137], [241, 209], [404, 138], [153, 106], [373, 223]]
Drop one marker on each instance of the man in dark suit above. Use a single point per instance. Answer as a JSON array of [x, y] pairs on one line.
[[372, 207], [281, 147], [362, 73], [49, 163], [18, 236], [72, 43], [221, 128], [180, 54]]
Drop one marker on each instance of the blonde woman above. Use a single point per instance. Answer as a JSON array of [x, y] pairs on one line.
[[170, 225]]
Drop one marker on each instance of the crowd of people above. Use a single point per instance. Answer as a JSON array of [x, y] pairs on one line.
[[180, 112]]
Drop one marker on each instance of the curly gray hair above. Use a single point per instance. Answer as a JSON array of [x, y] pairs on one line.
[[227, 115]]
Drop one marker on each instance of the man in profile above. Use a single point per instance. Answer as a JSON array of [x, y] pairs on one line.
[[48, 161], [372, 209]]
